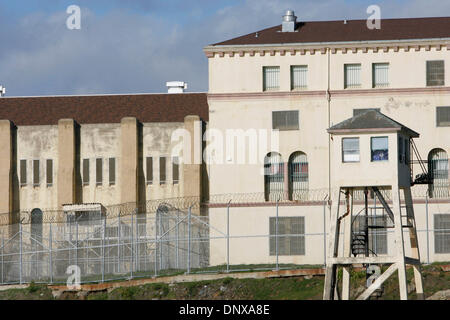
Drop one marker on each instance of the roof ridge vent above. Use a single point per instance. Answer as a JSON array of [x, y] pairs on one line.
[[289, 21]]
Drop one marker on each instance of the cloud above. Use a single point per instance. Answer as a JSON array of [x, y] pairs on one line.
[[139, 49]]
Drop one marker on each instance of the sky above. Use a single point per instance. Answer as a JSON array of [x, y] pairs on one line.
[[136, 46]]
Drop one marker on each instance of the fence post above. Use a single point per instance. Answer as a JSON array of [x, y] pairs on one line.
[[3, 252], [160, 242], [155, 254], [20, 252], [137, 241], [177, 241], [131, 244], [76, 244], [276, 235], [228, 236], [118, 245], [50, 241], [103, 249], [428, 228], [325, 230], [189, 242]]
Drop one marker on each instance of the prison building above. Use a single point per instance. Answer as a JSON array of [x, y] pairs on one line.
[[301, 78]]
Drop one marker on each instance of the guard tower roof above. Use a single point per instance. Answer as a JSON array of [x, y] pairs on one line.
[[371, 121]]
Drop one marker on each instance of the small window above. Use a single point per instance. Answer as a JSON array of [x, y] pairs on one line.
[[380, 148], [443, 116], [299, 77], [352, 75], [175, 170], [149, 161], [380, 75], [285, 120], [162, 170], [442, 233], [357, 112], [350, 149], [400, 150], [435, 73], [85, 172], [271, 78], [49, 172], [36, 173], [23, 172], [99, 171], [291, 236], [112, 171]]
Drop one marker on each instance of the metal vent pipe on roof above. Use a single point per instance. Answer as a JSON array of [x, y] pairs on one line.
[[289, 21], [2, 91], [176, 86]]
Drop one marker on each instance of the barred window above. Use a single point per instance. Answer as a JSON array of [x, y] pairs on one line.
[[99, 171], [299, 77], [149, 161], [36, 173], [298, 176], [175, 170], [357, 112], [443, 116], [162, 170], [350, 149], [112, 171], [438, 171], [23, 172], [271, 78], [49, 172], [291, 236], [377, 235], [352, 75], [435, 73], [285, 120], [380, 75], [442, 233], [85, 171], [273, 176]]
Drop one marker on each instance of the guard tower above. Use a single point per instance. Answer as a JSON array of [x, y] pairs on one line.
[[371, 157]]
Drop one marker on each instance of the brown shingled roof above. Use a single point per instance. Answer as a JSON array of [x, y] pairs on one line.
[[354, 30], [103, 109]]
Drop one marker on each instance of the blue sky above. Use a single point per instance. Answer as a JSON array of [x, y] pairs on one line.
[[135, 46]]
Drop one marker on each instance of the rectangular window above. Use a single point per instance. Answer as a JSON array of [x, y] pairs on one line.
[[400, 150], [291, 236], [149, 170], [299, 77], [442, 233], [49, 172], [162, 170], [285, 120], [85, 172], [435, 73], [443, 116], [380, 148], [357, 112], [23, 172], [350, 149], [99, 172], [175, 170], [271, 78], [352, 75], [380, 75], [36, 181], [112, 171]]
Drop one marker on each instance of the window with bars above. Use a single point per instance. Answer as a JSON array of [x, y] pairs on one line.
[[299, 77], [162, 170], [149, 165], [298, 176], [442, 233], [112, 171], [85, 172], [99, 172], [271, 78], [36, 173], [377, 235], [23, 172], [352, 75], [380, 75], [175, 170], [291, 236], [273, 176], [438, 171], [285, 120], [443, 116], [357, 112], [379, 148], [435, 73], [350, 149], [49, 172]]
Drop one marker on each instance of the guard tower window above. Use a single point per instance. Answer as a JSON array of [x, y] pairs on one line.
[[350, 149], [380, 149]]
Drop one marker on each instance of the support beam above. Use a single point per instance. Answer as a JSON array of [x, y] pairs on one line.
[[384, 203], [377, 283]]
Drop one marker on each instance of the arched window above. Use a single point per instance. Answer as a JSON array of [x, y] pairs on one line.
[[438, 171], [298, 176], [36, 224], [273, 176]]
